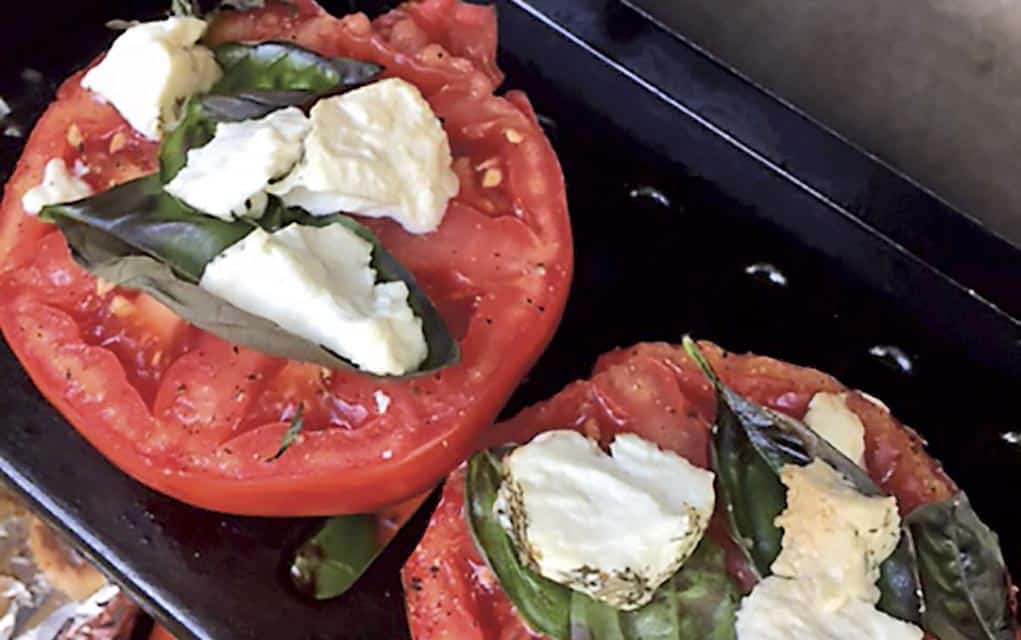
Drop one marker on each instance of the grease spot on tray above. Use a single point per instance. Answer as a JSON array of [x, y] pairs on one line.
[[767, 273], [893, 357], [651, 193]]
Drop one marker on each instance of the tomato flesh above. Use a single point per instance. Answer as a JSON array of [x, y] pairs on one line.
[[657, 392], [195, 417]]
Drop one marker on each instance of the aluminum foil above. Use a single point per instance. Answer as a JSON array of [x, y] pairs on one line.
[[48, 591]]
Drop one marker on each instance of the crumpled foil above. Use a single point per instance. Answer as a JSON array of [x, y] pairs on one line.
[[48, 591]]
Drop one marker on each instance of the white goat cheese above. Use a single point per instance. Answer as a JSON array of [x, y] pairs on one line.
[[317, 283], [151, 69], [58, 186], [829, 416], [226, 175], [378, 151], [782, 609], [612, 526], [834, 537], [823, 585]]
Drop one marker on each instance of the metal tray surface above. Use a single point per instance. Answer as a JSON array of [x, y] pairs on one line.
[[699, 205]]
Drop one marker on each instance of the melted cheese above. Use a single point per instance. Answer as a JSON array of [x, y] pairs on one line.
[[58, 187], [612, 526], [834, 537]]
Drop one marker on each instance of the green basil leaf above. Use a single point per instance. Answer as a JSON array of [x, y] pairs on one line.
[[297, 424], [285, 66], [344, 547], [750, 491], [258, 79], [900, 587], [329, 563], [751, 445], [592, 620], [544, 605], [964, 577], [698, 603], [153, 223], [137, 236]]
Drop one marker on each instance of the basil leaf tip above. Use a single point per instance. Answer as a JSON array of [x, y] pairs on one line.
[[331, 561], [291, 435]]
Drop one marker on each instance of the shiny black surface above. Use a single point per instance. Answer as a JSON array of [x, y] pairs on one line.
[[669, 215]]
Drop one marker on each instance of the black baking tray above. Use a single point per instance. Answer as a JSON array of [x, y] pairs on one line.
[[699, 203]]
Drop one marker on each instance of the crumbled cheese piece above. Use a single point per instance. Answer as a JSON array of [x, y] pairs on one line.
[[782, 609], [378, 151], [824, 582], [382, 401], [318, 283], [58, 186], [829, 416], [834, 537], [612, 526], [235, 167], [151, 69]]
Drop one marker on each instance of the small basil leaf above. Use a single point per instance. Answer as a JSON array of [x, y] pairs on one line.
[[249, 105], [137, 236], [964, 577], [544, 605], [698, 603], [344, 547], [297, 424], [154, 223], [284, 66], [751, 445], [330, 562]]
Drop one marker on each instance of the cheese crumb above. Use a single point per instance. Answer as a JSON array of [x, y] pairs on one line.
[[781, 609], [824, 582], [58, 187], [318, 283], [378, 151], [829, 416], [834, 537], [151, 69]]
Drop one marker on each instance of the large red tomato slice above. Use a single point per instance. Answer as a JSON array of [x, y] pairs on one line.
[[656, 391], [197, 418]]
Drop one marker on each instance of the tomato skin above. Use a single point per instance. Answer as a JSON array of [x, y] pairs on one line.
[[159, 633], [450, 591], [207, 418], [656, 391]]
